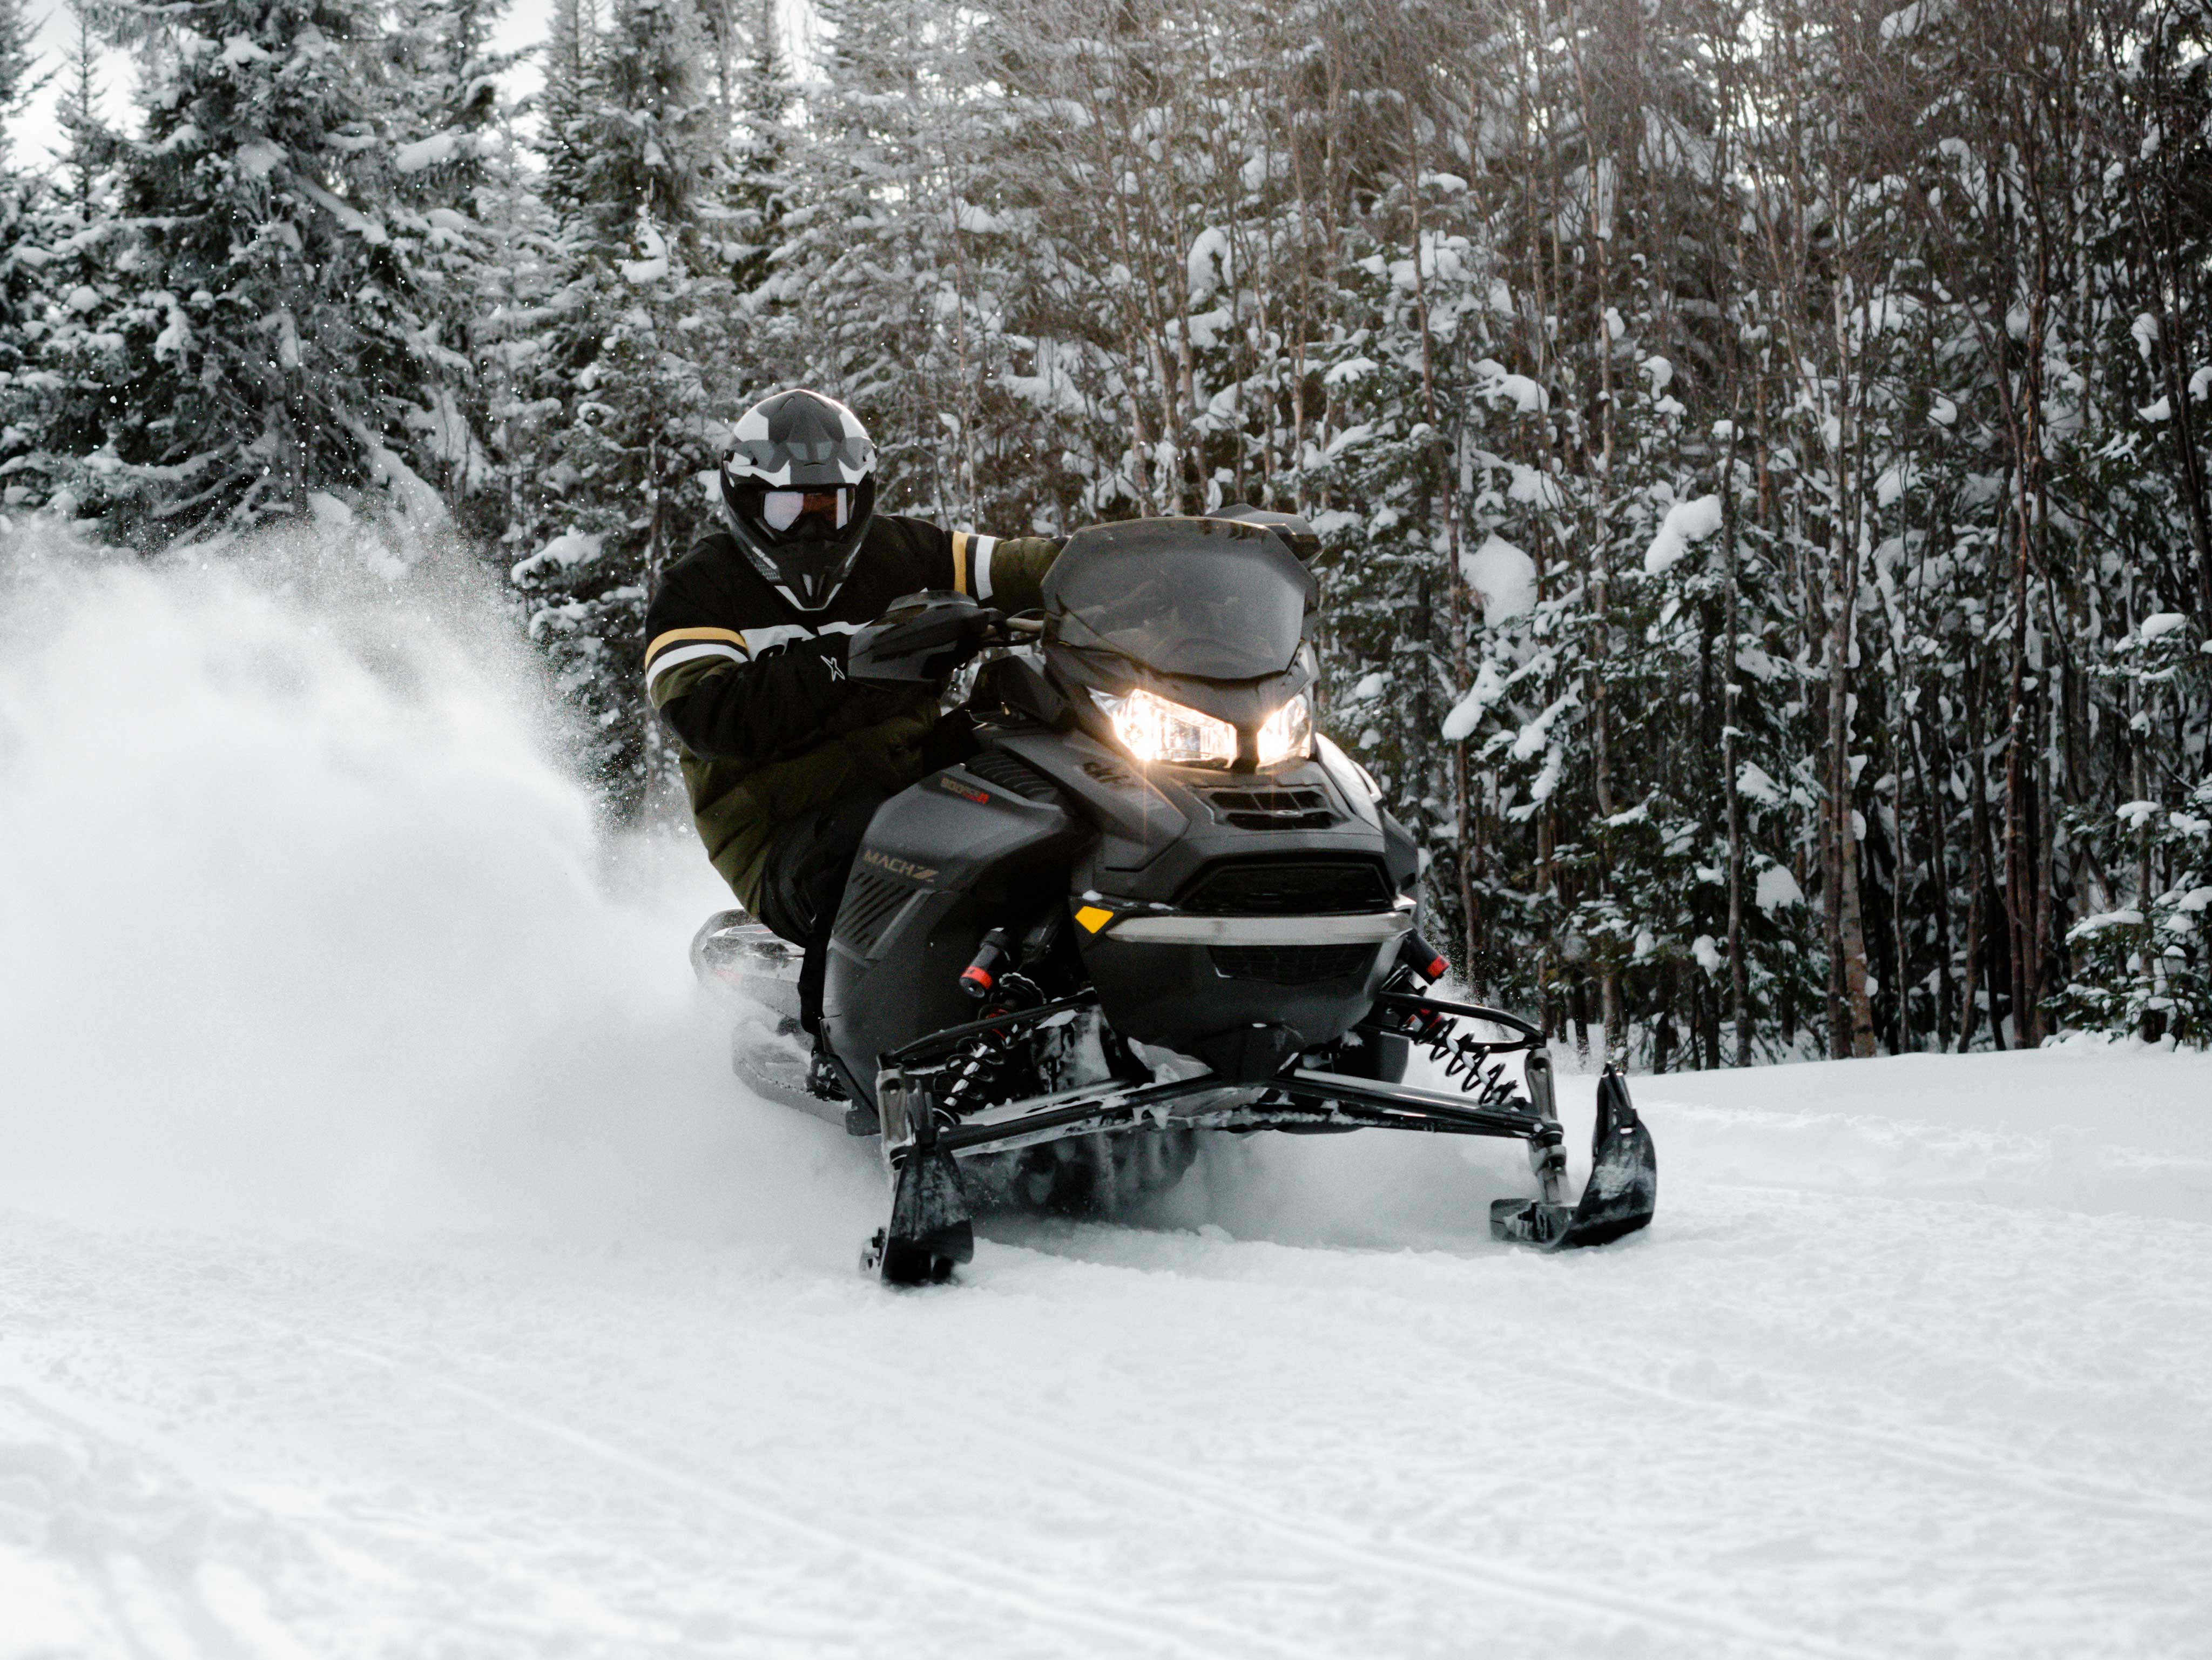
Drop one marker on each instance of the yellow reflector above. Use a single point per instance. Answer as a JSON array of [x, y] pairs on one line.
[[1094, 917]]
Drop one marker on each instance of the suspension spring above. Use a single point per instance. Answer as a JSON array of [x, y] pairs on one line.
[[970, 1078], [1463, 1059]]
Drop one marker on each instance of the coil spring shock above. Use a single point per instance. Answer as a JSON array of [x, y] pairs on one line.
[[1463, 1057], [966, 1078]]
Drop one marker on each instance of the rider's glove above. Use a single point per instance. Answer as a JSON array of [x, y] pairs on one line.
[[819, 659], [777, 703], [922, 642]]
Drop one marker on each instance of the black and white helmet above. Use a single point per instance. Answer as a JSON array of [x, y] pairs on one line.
[[799, 481]]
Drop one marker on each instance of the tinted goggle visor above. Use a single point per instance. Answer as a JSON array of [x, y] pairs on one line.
[[829, 511]]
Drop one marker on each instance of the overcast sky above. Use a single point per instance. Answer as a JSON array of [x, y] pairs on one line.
[[34, 136]]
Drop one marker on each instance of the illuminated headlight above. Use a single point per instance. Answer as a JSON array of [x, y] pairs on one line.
[[1156, 730], [1288, 734]]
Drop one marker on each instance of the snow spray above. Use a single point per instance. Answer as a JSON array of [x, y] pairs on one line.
[[303, 920]]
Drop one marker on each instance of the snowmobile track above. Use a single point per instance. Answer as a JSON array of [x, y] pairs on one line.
[[1311, 1534], [1925, 1453], [1200, 1637], [1320, 1536], [1314, 1536], [146, 1593], [1793, 1422]]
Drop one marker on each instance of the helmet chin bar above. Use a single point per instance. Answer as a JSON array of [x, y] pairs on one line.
[[797, 604], [829, 583]]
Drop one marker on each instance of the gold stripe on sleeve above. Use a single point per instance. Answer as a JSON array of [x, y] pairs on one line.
[[677, 636], [960, 560]]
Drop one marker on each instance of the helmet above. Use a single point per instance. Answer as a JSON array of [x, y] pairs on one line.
[[799, 481]]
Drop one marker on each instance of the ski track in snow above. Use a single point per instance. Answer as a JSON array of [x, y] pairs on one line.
[[388, 1267]]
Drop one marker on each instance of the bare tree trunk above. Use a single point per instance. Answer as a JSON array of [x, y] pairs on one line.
[[1939, 860], [1739, 975], [1600, 586]]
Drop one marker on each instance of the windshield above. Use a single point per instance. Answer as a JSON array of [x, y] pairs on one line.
[[1207, 598]]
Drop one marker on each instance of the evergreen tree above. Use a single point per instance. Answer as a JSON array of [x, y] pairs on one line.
[[20, 80], [565, 102], [89, 146], [450, 167], [759, 190], [264, 310], [24, 281], [61, 357], [632, 368]]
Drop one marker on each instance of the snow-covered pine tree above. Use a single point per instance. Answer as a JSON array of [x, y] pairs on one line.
[[450, 168], [263, 309], [25, 286], [564, 103], [89, 145], [632, 370], [56, 399], [760, 111], [19, 76]]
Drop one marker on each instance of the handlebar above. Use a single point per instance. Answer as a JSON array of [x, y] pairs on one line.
[[925, 637]]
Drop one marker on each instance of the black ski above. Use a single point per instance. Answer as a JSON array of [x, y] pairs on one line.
[[1622, 1192]]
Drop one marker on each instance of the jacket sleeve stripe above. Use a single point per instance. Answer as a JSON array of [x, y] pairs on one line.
[[676, 637], [983, 546], [960, 561], [680, 654]]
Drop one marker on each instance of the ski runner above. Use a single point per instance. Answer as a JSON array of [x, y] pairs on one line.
[[784, 759]]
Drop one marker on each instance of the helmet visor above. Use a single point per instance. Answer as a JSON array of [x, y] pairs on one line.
[[807, 514]]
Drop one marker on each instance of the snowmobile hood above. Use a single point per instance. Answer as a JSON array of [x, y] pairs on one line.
[[1202, 599]]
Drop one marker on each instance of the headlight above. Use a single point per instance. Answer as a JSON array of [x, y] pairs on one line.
[[1157, 730], [1288, 733]]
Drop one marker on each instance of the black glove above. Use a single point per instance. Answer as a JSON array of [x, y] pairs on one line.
[[778, 701], [827, 651], [922, 639]]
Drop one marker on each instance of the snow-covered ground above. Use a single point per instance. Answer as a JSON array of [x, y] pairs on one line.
[[388, 1265]]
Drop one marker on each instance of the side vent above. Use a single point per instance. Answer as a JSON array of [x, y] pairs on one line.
[[871, 899], [1012, 773]]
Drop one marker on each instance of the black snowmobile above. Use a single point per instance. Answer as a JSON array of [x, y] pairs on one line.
[[1154, 901]]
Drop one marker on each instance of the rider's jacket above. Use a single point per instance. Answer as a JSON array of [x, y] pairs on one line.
[[754, 690]]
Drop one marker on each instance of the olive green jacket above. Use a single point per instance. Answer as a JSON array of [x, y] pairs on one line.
[[713, 614]]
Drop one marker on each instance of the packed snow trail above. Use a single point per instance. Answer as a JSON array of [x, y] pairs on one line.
[[389, 1266]]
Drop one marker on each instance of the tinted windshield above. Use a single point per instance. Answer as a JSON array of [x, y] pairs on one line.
[[1201, 597]]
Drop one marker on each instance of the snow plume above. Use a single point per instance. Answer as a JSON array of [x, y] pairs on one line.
[[305, 922]]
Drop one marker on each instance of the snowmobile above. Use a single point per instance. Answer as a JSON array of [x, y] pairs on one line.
[[1154, 901]]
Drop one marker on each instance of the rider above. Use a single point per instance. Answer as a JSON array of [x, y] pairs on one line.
[[785, 759]]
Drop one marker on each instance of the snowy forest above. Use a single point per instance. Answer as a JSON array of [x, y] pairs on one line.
[[1759, 450]]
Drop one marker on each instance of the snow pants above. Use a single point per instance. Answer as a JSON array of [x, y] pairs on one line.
[[803, 875], [803, 880]]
